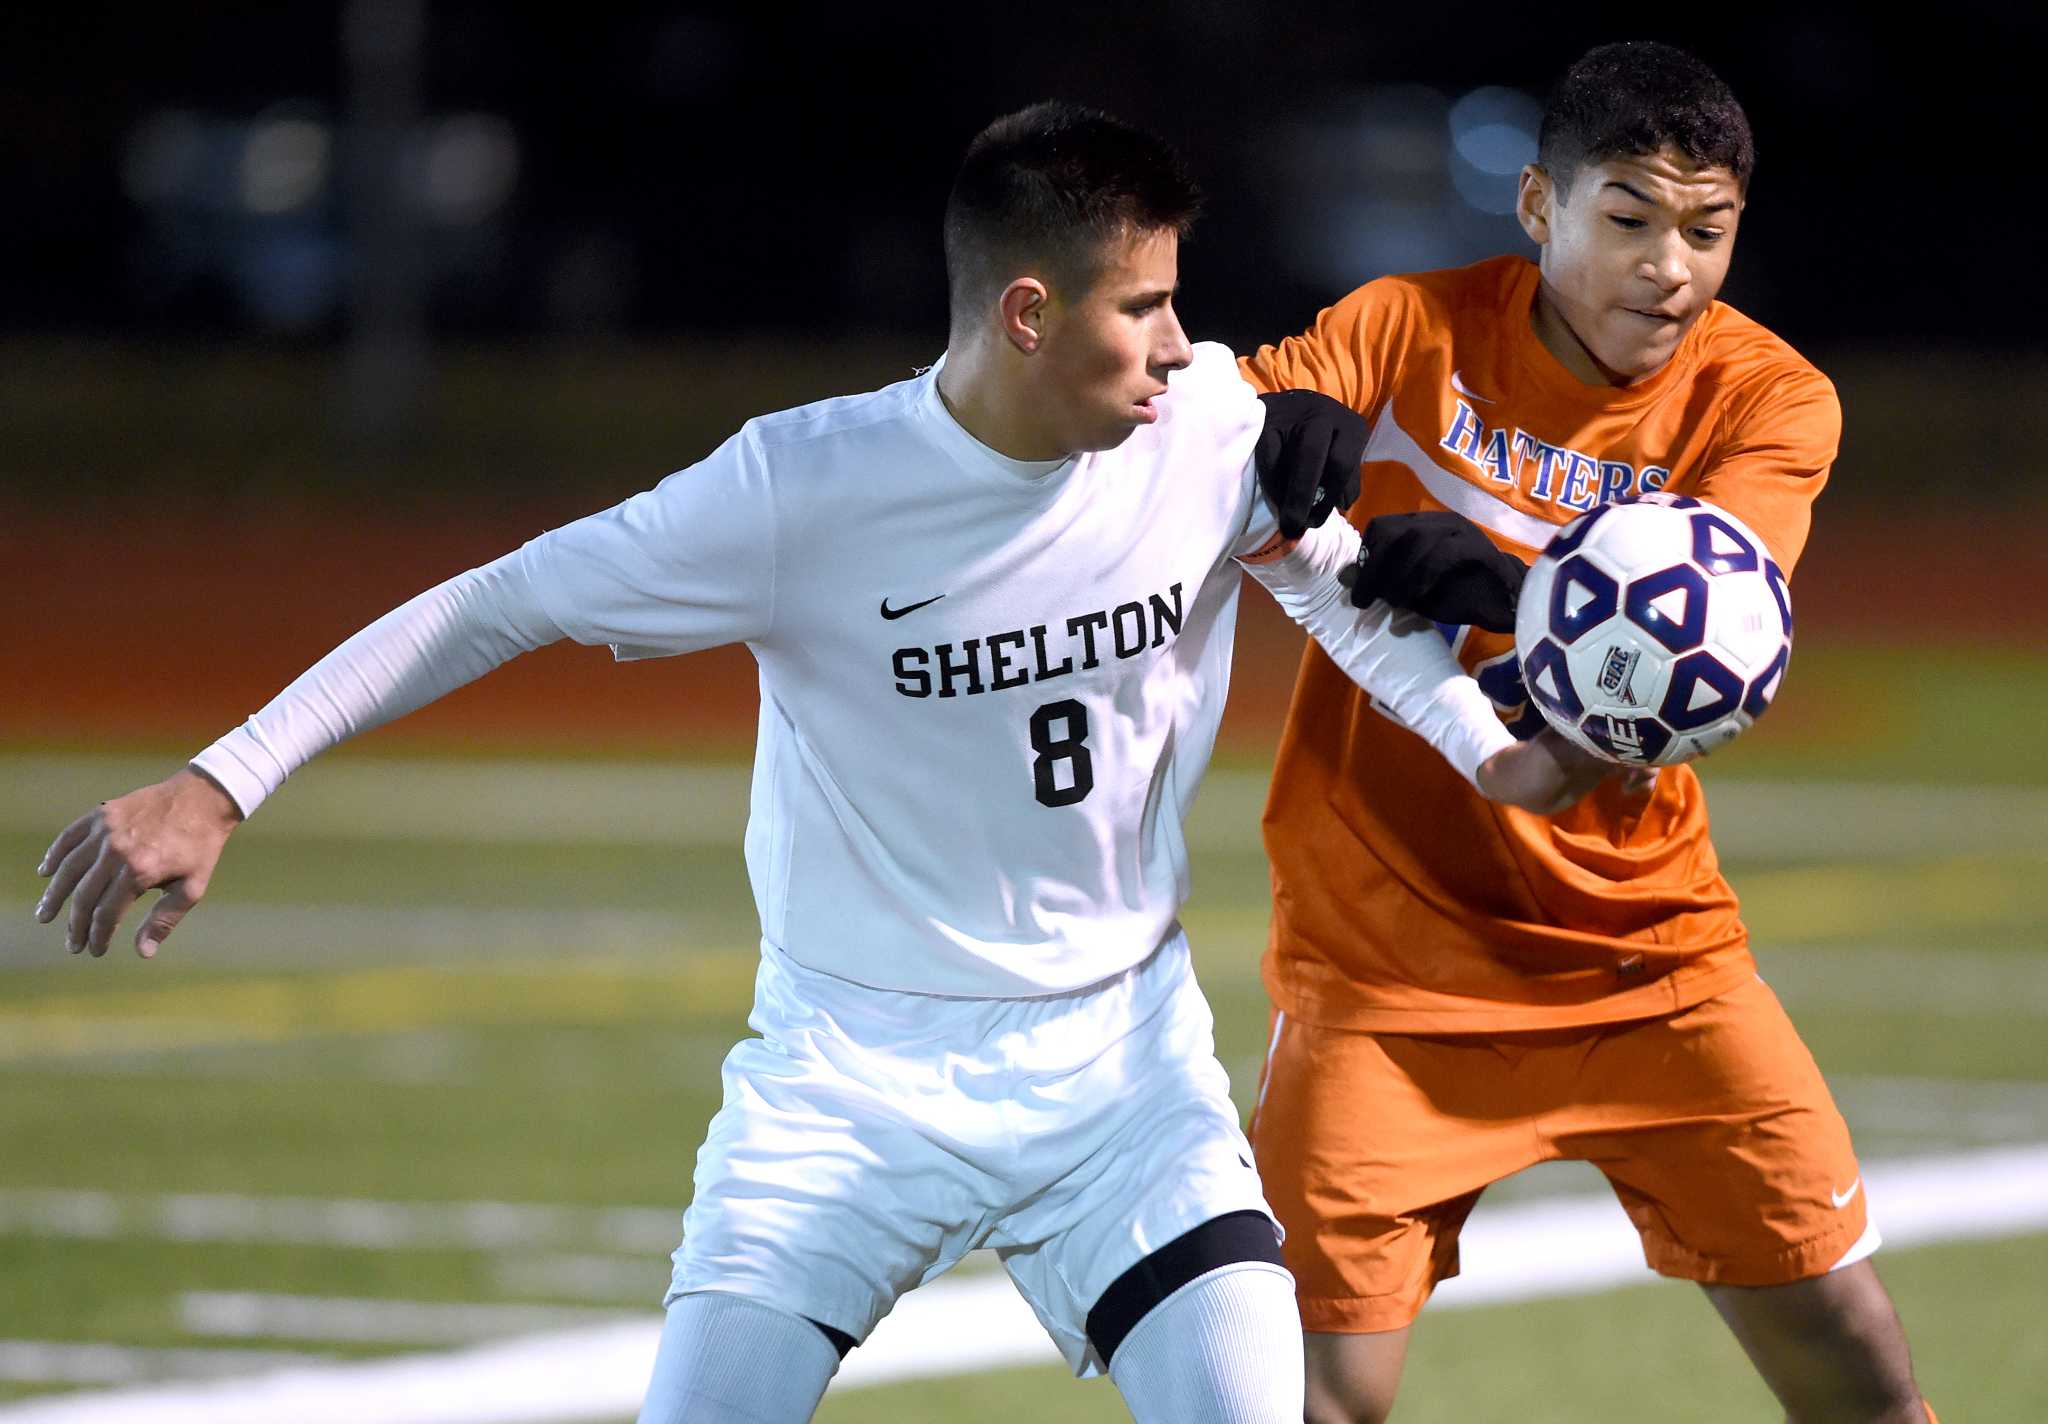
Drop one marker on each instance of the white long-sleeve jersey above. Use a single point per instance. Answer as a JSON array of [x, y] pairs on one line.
[[989, 689]]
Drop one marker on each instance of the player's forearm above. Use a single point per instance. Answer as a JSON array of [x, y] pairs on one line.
[[1400, 660], [448, 636]]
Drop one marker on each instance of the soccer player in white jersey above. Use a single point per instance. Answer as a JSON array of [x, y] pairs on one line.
[[992, 607]]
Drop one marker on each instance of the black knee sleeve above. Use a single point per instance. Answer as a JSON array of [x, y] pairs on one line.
[[841, 1341], [1220, 1241]]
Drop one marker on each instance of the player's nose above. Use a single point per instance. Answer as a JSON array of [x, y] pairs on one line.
[[1669, 268], [1174, 352]]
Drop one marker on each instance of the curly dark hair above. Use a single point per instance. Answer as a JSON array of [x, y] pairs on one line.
[[1634, 98], [1052, 186]]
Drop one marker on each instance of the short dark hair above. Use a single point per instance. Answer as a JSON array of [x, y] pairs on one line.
[[1633, 98], [1053, 186]]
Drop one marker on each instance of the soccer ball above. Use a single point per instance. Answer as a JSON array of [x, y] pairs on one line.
[[1653, 630]]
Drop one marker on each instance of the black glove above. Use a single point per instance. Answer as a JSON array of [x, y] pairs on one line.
[[1440, 565], [1307, 458]]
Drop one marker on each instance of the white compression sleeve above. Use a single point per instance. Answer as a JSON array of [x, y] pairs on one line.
[[1397, 657], [725, 1359], [452, 634], [1223, 1349]]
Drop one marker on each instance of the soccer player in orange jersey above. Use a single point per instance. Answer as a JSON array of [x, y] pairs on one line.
[[1462, 989]]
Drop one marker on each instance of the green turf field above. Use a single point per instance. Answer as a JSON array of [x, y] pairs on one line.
[[454, 981]]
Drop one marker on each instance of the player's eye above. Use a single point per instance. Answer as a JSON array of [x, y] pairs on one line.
[[1708, 234], [1626, 223]]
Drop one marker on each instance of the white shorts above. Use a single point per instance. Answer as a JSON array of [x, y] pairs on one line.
[[870, 1139]]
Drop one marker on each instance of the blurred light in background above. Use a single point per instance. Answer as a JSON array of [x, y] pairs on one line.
[[1405, 179], [467, 168], [286, 165], [1493, 136], [252, 210]]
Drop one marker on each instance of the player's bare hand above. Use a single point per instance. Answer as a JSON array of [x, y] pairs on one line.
[[164, 837], [1545, 774]]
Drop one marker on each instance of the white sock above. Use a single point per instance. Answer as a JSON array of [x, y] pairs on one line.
[[726, 1359], [1223, 1349]]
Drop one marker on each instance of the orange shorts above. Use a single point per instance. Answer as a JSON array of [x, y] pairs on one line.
[[1712, 1125]]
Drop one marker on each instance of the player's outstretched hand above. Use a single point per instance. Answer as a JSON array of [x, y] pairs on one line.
[[1307, 457], [1545, 774], [1440, 565], [167, 836]]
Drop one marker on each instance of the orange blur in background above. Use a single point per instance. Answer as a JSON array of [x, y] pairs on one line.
[[165, 631]]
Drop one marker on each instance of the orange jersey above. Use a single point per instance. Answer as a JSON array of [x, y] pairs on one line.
[[1402, 900]]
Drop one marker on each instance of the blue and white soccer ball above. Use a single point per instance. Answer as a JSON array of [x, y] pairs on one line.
[[1654, 630]]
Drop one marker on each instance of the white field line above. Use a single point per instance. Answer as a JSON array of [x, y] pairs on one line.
[[1582, 1244], [953, 1326], [625, 1281], [599, 1372], [315, 1221], [66, 1362], [267, 1315], [1943, 1108], [576, 1375], [582, 1277]]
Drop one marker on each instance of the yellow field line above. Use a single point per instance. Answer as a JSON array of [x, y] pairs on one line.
[[1830, 901], [380, 1000]]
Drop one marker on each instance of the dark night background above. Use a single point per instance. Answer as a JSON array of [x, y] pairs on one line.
[[752, 166], [724, 187]]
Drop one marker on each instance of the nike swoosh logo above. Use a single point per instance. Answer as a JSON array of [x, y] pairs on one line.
[[1842, 1199], [1458, 385], [892, 614]]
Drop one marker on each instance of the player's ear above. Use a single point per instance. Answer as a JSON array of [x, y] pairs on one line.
[[1023, 309], [1532, 203]]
